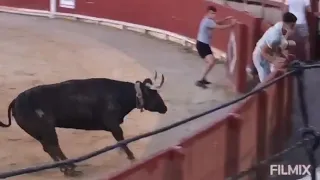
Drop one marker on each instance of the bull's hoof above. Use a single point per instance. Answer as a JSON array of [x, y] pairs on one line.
[[133, 161], [132, 158], [73, 173], [68, 167]]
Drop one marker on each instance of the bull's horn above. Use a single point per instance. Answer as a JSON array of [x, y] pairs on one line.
[[155, 75], [162, 81]]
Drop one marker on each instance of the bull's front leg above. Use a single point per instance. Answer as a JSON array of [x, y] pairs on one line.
[[118, 135]]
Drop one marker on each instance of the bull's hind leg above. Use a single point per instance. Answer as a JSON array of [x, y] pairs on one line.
[[51, 146], [118, 135], [47, 136]]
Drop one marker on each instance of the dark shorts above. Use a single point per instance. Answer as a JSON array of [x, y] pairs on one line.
[[203, 49]]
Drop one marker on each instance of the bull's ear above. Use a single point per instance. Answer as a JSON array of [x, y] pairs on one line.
[[147, 81]]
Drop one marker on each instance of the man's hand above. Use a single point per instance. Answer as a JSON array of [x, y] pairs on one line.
[[222, 21], [229, 17], [280, 59], [224, 26], [284, 53], [280, 62], [291, 43], [233, 22]]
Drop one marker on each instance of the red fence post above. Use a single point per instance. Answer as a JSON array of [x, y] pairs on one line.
[[313, 26], [233, 145], [261, 133]]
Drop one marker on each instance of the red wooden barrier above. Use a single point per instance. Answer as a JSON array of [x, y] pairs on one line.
[[257, 128], [161, 167], [182, 17], [29, 4]]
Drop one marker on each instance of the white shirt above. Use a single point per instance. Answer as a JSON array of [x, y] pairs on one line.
[[298, 8], [272, 38]]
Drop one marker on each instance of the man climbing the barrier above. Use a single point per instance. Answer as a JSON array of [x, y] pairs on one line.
[[274, 41], [207, 25]]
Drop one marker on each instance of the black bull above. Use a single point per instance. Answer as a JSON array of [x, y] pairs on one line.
[[88, 104]]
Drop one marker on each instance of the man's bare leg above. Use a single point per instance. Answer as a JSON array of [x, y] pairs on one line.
[[211, 61]]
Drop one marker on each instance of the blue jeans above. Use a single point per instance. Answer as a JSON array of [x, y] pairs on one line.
[[263, 67]]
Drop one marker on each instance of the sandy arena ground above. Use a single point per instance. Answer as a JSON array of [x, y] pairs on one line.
[[37, 51]]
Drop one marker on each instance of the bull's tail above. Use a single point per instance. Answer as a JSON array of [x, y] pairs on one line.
[[9, 115]]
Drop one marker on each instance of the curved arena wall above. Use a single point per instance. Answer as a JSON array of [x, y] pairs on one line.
[[258, 127]]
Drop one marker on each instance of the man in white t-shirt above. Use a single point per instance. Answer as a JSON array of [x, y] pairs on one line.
[[270, 43], [299, 8]]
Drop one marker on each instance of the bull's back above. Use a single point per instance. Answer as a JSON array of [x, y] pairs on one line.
[[74, 104]]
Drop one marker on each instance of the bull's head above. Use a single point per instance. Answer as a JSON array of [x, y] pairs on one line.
[[148, 97]]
